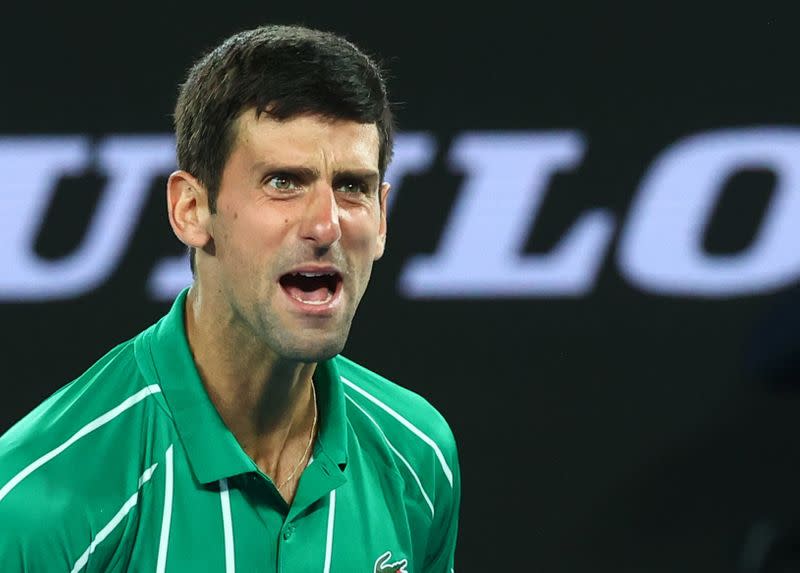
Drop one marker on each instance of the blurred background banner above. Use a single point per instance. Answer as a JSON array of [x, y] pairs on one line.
[[593, 262]]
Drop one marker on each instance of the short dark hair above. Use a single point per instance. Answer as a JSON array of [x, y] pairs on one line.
[[283, 71]]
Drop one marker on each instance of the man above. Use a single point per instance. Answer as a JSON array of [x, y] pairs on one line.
[[231, 435]]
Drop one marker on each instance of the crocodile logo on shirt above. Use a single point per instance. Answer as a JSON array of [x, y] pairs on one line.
[[382, 564]]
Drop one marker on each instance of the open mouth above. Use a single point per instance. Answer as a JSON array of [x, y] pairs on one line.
[[315, 288]]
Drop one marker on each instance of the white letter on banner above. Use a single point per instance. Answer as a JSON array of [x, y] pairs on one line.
[[661, 244], [413, 153], [31, 167], [480, 253]]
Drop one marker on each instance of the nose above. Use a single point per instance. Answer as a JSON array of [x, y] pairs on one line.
[[321, 217]]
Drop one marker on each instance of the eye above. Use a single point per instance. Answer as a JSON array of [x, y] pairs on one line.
[[281, 182], [354, 187]]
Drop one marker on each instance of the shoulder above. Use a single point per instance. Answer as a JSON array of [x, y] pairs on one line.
[[409, 409], [111, 388], [105, 414], [74, 456], [407, 419]]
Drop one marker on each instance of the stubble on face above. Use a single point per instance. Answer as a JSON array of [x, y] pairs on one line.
[[313, 340]]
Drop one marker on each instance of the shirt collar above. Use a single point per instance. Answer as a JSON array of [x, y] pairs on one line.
[[212, 449], [332, 438]]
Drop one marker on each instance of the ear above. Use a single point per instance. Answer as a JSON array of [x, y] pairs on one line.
[[383, 196], [187, 205]]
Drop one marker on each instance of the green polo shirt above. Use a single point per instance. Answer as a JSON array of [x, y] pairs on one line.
[[130, 468]]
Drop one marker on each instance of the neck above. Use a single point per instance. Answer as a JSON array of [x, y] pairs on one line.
[[265, 401]]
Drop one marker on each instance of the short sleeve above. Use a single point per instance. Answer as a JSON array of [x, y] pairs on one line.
[[440, 556], [30, 537]]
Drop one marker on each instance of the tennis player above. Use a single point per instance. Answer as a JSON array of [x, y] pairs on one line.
[[231, 435]]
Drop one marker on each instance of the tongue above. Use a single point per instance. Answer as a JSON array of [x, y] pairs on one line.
[[315, 295]]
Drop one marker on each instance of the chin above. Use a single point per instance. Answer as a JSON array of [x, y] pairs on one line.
[[311, 351]]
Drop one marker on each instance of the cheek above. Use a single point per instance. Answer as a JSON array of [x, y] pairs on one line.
[[360, 228], [242, 244], [360, 243], [253, 230]]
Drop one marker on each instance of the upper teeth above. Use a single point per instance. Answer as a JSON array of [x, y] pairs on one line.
[[306, 274]]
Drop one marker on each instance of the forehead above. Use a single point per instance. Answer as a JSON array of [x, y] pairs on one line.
[[305, 140]]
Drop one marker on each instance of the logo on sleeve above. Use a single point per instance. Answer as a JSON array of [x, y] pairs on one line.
[[382, 564]]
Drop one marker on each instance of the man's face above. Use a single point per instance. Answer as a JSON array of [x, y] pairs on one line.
[[300, 219]]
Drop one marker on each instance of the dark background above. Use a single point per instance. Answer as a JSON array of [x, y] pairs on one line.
[[619, 431]]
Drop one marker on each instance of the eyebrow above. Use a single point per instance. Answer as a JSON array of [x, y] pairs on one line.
[[311, 173], [356, 174]]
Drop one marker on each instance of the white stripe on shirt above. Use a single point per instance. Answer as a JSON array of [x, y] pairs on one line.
[[227, 526], [166, 516], [87, 429], [116, 520], [329, 537], [414, 430], [398, 454]]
